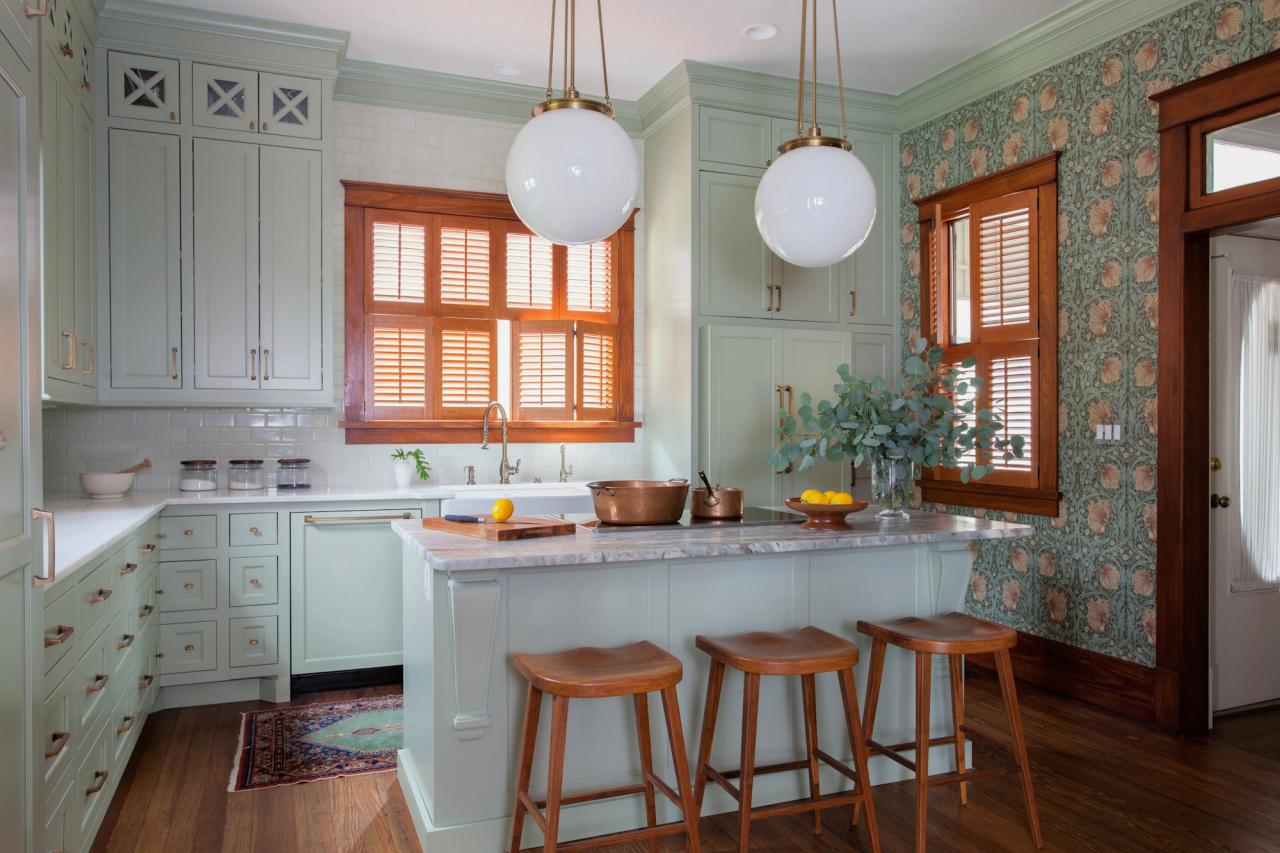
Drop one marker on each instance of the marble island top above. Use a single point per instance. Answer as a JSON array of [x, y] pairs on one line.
[[453, 553]]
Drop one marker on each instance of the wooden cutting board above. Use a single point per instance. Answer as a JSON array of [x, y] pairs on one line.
[[517, 527]]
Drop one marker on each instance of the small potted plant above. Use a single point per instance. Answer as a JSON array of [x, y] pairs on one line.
[[405, 463], [930, 421]]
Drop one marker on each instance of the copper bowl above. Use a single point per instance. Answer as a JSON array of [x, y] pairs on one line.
[[638, 502], [721, 502]]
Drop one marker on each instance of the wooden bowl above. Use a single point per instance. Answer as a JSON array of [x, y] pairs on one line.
[[826, 516]]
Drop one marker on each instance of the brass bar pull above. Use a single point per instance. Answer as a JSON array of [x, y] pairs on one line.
[[778, 390], [72, 346], [790, 399], [173, 359], [99, 681], [188, 533], [90, 360], [255, 582], [266, 365], [129, 568], [51, 561], [253, 363], [126, 641], [57, 741], [126, 723], [769, 306], [60, 635], [146, 611], [36, 11], [188, 585], [254, 641], [853, 303], [99, 596], [778, 288], [100, 781], [188, 648], [355, 519], [145, 681], [147, 550]]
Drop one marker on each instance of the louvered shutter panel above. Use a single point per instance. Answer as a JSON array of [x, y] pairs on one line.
[[1004, 243], [931, 289], [590, 278], [960, 397], [398, 270], [397, 367], [1010, 394], [597, 372], [464, 263], [542, 375], [529, 274], [468, 375]]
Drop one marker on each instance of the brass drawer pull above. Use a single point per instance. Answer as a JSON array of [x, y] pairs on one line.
[[99, 596], [99, 682], [100, 782], [148, 549], [173, 351], [145, 681], [72, 347], [56, 744], [126, 641], [126, 723], [778, 290], [188, 648], [266, 365], [253, 363], [254, 641], [255, 582], [90, 359], [355, 519], [61, 634], [255, 531], [129, 568], [188, 533], [145, 611], [188, 585], [853, 303], [162, 535], [769, 307]]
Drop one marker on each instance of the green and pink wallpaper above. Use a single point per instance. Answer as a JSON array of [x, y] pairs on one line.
[[1087, 578]]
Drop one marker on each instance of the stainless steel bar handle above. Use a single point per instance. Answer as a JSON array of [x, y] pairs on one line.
[[355, 519], [51, 558]]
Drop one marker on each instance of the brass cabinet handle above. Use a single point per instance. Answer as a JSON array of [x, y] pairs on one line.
[[50, 542], [162, 535], [264, 125], [145, 681], [778, 289], [266, 365], [354, 519], [769, 307], [146, 611], [1219, 501], [56, 744], [853, 303], [173, 351], [64, 47], [100, 781], [790, 399], [254, 641], [86, 85], [129, 568], [72, 346], [188, 533], [148, 549], [252, 125], [89, 354], [99, 681], [189, 648], [60, 635], [99, 596], [255, 582], [126, 723], [36, 11], [253, 363], [126, 640], [188, 585], [173, 116], [255, 531]]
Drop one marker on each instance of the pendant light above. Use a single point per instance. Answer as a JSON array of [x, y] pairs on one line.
[[816, 202], [572, 173]]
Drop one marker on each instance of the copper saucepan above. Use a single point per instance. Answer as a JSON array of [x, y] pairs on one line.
[[715, 501], [638, 502]]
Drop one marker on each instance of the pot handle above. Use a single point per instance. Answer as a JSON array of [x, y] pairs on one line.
[[678, 480], [598, 487]]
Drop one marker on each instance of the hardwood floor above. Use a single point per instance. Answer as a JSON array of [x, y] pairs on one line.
[[1103, 782]]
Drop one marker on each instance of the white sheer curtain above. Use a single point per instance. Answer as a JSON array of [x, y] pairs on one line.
[[1256, 306]]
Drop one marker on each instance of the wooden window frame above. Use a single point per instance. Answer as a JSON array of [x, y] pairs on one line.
[[999, 490], [432, 207]]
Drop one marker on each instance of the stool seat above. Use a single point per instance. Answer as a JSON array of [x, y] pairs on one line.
[[594, 673], [950, 634], [805, 651]]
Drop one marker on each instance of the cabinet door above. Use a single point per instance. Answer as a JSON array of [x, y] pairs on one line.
[[729, 136], [225, 266], [873, 355], [291, 296], [146, 286], [144, 87], [807, 293], [810, 358], [346, 590], [742, 396], [57, 190], [867, 293], [85, 296], [20, 30], [224, 97], [736, 268], [289, 106]]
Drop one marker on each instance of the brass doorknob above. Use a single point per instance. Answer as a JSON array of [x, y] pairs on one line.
[[1219, 501]]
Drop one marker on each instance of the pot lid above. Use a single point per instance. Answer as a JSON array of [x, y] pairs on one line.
[[191, 463], [246, 461], [293, 462]]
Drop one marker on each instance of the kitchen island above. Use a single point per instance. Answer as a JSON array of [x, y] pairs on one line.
[[469, 604]]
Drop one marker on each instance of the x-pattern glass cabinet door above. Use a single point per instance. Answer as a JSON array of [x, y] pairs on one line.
[[224, 97], [289, 106], [144, 87]]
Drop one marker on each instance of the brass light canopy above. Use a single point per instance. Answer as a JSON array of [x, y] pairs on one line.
[[570, 98]]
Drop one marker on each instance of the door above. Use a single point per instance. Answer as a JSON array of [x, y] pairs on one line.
[[289, 106], [1245, 441], [146, 253], [742, 400], [736, 267], [85, 295], [867, 290], [62, 347], [810, 358], [224, 97], [144, 87], [290, 270], [806, 293], [346, 590], [225, 264]]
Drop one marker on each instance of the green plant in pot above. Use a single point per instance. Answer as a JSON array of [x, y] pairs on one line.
[[930, 420], [405, 463]]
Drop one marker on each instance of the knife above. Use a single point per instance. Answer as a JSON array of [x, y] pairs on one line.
[[464, 519]]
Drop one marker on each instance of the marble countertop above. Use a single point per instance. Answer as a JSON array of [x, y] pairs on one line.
[[455, 553]]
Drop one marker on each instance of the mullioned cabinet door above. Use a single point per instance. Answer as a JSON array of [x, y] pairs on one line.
[[289, 106], [144, 87], [224, 97]]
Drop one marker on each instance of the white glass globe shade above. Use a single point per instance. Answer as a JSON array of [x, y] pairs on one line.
[[815, 205], [572, 176]]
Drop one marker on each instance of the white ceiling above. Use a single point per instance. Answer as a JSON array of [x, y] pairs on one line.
[[887, 46]]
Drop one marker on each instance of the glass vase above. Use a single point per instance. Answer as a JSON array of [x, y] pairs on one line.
[[893, 480]]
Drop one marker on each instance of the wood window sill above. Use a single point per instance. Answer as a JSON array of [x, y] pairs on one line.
[[469, 432], [986, 496]]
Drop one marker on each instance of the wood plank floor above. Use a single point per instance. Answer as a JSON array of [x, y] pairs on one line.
[[1104, 783]]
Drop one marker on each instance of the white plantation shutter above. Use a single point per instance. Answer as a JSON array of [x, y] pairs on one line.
[[542, 358], [1003, 249], [399, 262], [1011, 399], [590, 277], [597, 371], [530, 273], [464, 265], [397, 384], [467, 369]]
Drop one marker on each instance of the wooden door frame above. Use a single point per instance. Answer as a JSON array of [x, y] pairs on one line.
[[1182, 493]]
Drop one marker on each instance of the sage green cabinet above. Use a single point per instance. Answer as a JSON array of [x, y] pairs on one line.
[[867, 290], [735, 138], [239, 99], [289, 105], [145, 246], [143, 87], [735, 266]]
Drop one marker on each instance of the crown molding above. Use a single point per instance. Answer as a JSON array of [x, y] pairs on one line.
[[1070, 32], [379, 84]]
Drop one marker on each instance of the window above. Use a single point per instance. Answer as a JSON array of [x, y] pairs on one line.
[[451, 303], [988, 288]]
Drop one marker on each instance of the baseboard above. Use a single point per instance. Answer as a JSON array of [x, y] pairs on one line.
[[347, 679], [1122, 686]]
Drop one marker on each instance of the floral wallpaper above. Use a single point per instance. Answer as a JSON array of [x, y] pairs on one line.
[[1088, 577]]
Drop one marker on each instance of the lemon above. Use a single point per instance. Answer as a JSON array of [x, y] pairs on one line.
[[830, 493], [818, 498], [503, 509], [842, 498], [809, 495]]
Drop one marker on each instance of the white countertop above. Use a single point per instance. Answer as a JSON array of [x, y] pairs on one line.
[[453, 553]]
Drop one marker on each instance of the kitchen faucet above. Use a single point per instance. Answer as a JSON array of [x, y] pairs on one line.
[[565, 473], [505, 469]]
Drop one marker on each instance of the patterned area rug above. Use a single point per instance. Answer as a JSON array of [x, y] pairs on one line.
[[284, 746]]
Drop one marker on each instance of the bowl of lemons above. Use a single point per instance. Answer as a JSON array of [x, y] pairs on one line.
[[826, 510]]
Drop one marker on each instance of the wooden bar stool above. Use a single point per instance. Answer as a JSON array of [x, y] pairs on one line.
[[953, 635], [590, 673], [804, 652]]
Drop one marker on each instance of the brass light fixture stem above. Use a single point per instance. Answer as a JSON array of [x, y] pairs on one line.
[[551, 52], [813, 128], [835, 28], [804, 20], [814, 137], [604, 65], [570, 98]]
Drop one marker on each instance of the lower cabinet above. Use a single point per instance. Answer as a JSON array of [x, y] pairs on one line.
[[346, 589]]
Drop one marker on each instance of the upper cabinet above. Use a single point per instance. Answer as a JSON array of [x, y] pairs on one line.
[[734, 138], [236, 99], [143, 87], [289, 106]]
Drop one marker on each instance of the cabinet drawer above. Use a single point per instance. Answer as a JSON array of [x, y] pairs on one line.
[[146, 600], [62, 822], [188, 585], [88, 685], [188, 647], [728, 136], [188, 531], [95, 595], [59, 629], [90, 788], [146, 680], [253, 528], [121, 722], [253, 580], [57, 738], [253, 641], [121, 642]]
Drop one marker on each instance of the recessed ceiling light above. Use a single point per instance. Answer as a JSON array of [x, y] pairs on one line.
[[759, 32], [509, 69]]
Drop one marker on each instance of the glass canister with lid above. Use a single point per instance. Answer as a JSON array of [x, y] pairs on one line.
[[198, 475], [246, 475], [293, 473]]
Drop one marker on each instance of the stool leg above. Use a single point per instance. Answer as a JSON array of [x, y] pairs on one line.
[[675, 733], [646, 762], [811, 744], [715, 679], [532, 706], [750, 716], [873, 698], [924, 679], [555, 770], [858, 741], [956, 662], [1009, 693]]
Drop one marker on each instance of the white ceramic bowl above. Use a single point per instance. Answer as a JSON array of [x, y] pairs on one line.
[[106, 487]]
